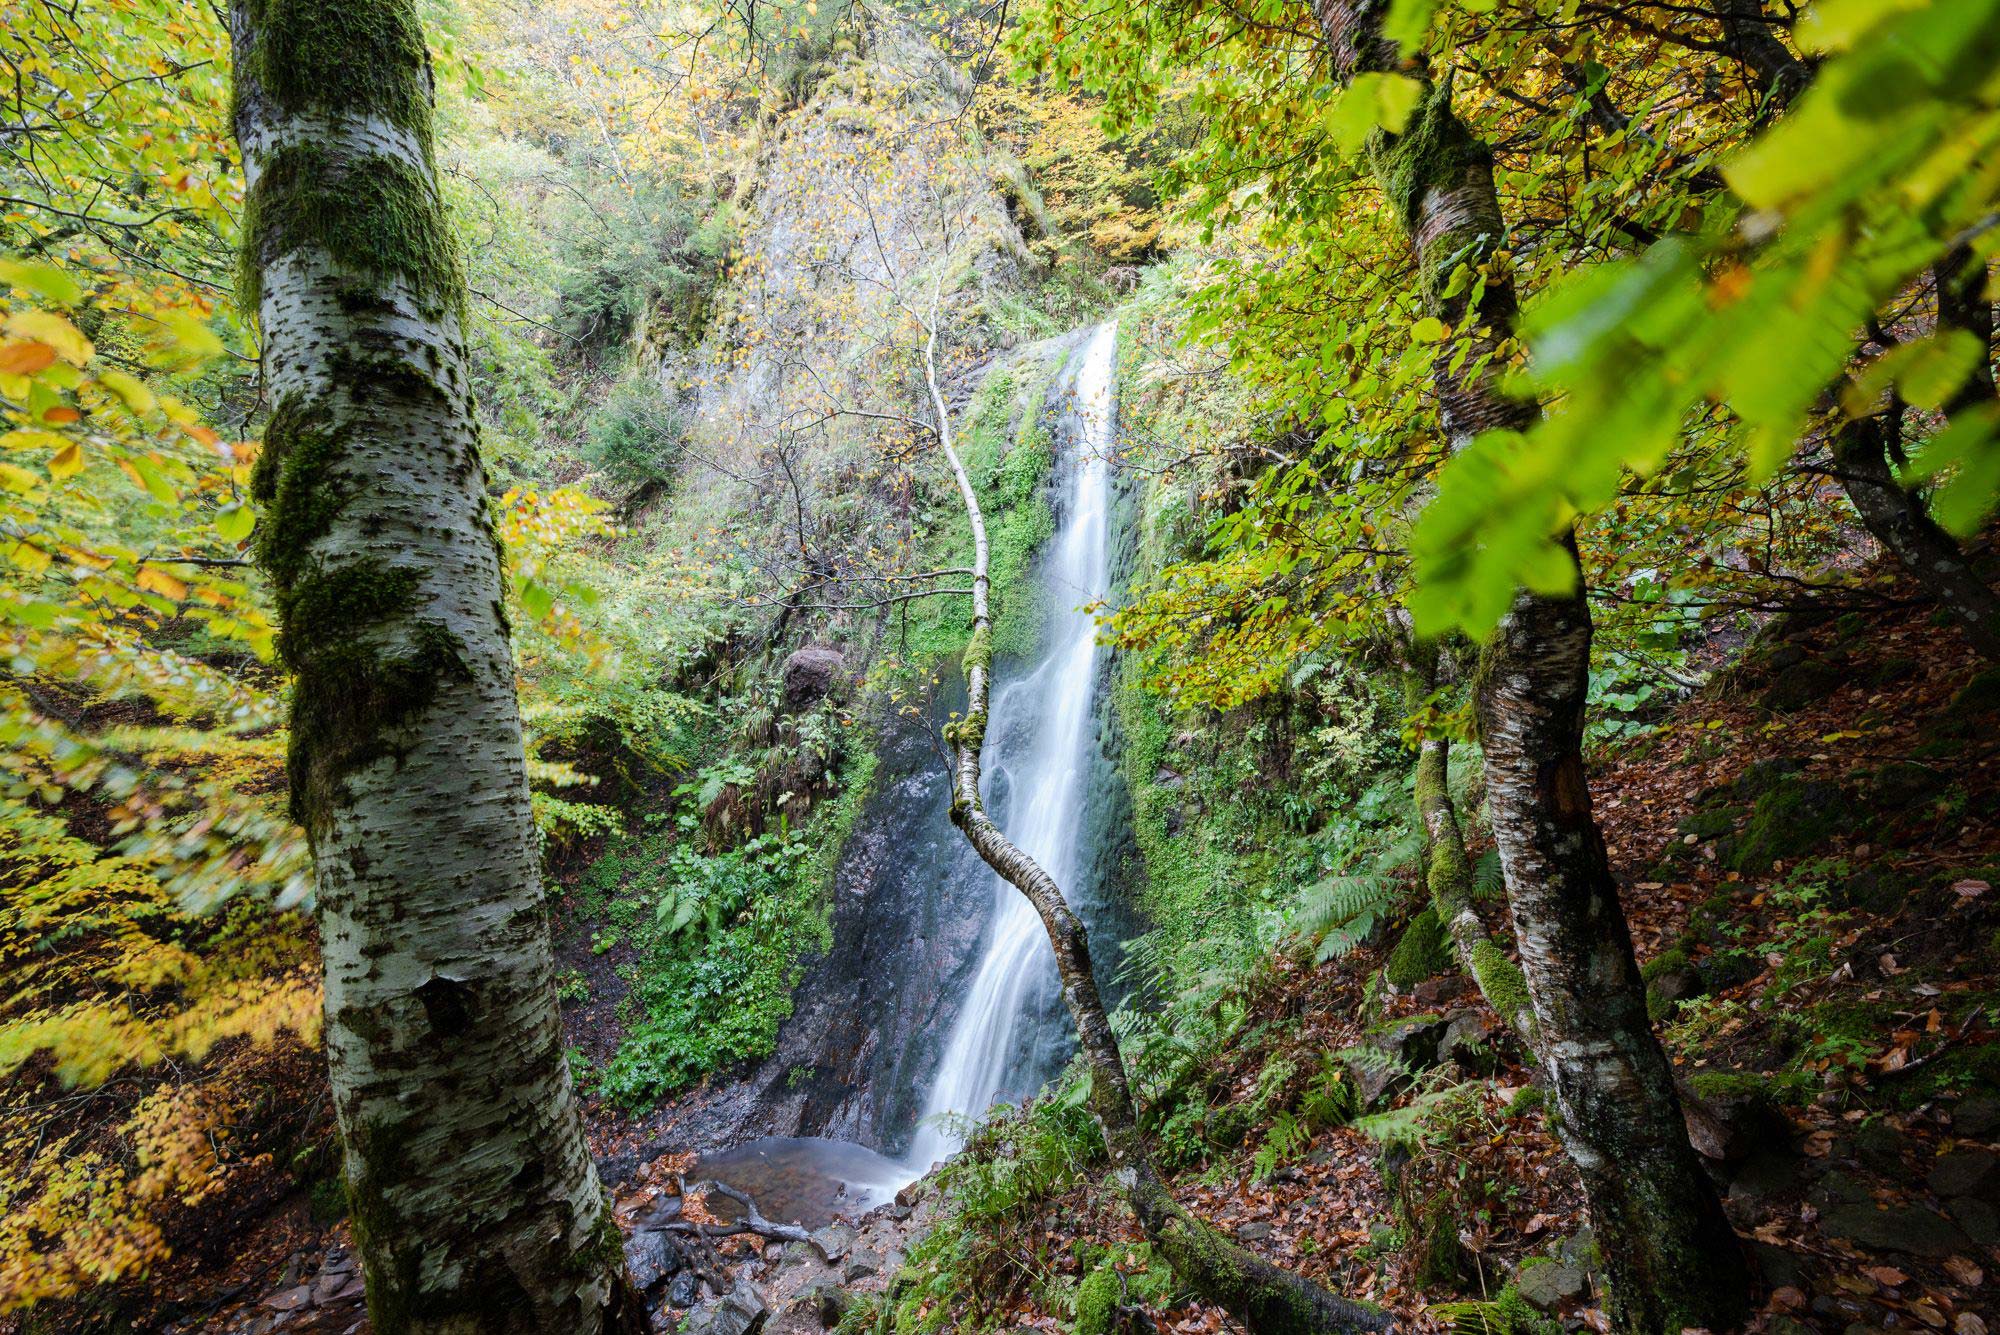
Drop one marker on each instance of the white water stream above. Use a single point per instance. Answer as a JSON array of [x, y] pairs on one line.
[[1040, 744], [1041, 732]]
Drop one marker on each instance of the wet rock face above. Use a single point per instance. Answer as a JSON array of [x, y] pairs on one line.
[[810, 675]]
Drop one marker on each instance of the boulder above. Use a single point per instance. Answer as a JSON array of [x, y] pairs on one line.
[[651, 1258], [1729, 1127], [685, 1291], [1407, 1045], [1980, 1220], [1905, 1228], [1967, 1173], [809, 675], [1977, 1115], [742, 1311], [1547, 1285], [834, 1241]]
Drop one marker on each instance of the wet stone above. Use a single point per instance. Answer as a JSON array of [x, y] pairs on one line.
[[742, 1312], [651, 1257], [834, 1241], [290, 1300], [685, 1291], [1255, 1231]]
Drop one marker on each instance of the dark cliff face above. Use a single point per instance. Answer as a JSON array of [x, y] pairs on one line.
[[910, 909]]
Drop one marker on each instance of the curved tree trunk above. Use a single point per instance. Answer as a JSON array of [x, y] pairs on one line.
[[1268, 1299], [474, 1202], [1897, 518], [1448, 871], [1671, 1255]]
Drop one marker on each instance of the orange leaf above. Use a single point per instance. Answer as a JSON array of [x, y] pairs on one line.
[[25, 357], [62, 416]]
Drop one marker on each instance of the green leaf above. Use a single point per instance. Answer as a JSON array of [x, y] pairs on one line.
[[1408, 21], [234, 522]]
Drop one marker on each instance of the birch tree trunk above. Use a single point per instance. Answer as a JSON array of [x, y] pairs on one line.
[[1670, 1253], [474, 1202], [1268, 1299]]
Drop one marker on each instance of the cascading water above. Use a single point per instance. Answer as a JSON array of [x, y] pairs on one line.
[[1038, 755], [1051, 788]]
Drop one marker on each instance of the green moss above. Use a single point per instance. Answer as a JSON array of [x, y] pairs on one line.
[[1709, 824], [1789, 821], [360, 666], [1528, 1100], [1435, 149], [1423, 952], [1097, 1301], [1500, 980], [347, 58], [376, 216], [1968, 711]]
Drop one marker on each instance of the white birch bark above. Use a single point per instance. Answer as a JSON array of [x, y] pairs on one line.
[[475, 1203]]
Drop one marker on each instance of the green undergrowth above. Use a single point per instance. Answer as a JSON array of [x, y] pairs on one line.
[[718, 938], [993, 1238]]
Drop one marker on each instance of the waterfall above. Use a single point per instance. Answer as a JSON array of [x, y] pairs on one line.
[[1041, 730]]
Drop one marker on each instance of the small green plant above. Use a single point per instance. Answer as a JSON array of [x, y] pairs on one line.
[[572, 986]]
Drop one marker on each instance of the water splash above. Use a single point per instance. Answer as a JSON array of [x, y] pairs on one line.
[[1038, 754]]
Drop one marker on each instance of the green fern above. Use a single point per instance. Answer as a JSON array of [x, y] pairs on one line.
[[1337, 914], [1489, 880], [1285, 1138]]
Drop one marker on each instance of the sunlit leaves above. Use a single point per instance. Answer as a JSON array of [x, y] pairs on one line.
[[1892, 156]]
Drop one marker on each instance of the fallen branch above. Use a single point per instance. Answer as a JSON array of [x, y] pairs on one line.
[[753, 1222]]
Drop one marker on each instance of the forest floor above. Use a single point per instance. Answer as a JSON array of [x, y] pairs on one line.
[[1807, 851]]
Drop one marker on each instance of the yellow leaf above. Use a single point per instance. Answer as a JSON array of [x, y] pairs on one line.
[[130, 390], [50, 328], [18, 479], [32, 439], [44, 280], [66, 462], [28, 557], [155, 580]]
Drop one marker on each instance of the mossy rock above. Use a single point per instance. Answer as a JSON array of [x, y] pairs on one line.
[[1097, 1302], [1787, 822], [1890, 671], [1874, 889], [1763, 775], [1902, 785], [1423, 952], [1968, 713], [1228, 1125], [1804, 684], [1709, 824]]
